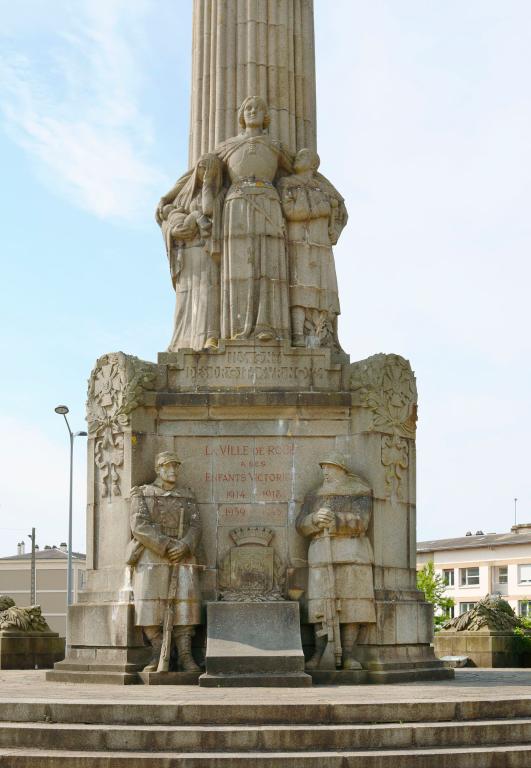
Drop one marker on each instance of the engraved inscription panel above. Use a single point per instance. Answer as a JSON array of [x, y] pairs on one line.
[[247, 471], [247, 514], [252, 367]]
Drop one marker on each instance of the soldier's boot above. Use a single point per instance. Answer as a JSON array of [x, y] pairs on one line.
[[183, 641], [320, 645], [154, 635], [349, 634]]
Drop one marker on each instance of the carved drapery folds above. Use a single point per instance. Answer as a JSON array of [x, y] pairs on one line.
[[115, 388], [249, 232]]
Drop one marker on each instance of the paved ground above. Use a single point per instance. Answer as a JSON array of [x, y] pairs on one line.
[[490, 684]]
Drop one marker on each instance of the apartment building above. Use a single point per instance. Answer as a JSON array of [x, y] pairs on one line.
[[479, 564], [50, 580]]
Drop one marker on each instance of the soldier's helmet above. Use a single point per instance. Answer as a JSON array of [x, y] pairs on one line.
[[336, 459], [166, 457]]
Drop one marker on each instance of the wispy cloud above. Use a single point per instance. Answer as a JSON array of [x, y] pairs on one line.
[[74, 107]]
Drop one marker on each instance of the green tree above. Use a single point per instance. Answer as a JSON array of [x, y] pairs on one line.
[[434, 588]]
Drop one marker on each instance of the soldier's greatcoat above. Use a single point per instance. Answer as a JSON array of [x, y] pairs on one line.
[[352, 554], [160, 518]]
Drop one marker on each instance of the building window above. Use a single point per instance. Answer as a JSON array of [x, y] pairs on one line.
[[449, 612], [501, 574], [524, 574], [524, 608], [464, 607], [449, 577], [469, 577]]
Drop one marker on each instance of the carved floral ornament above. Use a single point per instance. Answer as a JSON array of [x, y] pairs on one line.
[[395, 459], [386, 386], [116, 387]]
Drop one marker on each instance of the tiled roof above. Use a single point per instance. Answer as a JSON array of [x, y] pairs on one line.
[[46, 554], [475, 541]]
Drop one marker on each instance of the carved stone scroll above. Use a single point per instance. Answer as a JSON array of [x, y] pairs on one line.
[[116, 387], [395, 459], [385, 384]]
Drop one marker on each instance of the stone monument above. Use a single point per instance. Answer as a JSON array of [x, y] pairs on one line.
[[488, 635], [253, 396], [26, 640]]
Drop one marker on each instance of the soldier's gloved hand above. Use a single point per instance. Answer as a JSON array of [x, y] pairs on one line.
[[177, 551], [323, 518]]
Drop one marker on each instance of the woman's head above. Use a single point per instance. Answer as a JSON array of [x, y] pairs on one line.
[[254, 113]]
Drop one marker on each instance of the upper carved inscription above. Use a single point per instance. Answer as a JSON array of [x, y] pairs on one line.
[[240, 364]]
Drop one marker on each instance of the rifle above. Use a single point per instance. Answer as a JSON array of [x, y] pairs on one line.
[[167, 626], [331, 626]]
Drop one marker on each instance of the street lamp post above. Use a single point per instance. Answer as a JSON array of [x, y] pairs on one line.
[[62, 410]]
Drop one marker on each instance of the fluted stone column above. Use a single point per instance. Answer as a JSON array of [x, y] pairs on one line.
[[252, 47]]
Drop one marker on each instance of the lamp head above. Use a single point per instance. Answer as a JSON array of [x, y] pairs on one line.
[[61, 409]]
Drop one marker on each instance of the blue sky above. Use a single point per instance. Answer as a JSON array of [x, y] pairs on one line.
[[424, 118]]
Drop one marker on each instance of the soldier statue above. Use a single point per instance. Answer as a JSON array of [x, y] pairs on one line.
[[166, 532], [335, 516]]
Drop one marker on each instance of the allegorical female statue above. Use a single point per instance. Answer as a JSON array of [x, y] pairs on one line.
[[250, 243], [190, 216], [335, 517], [254, 273], [315, 214]]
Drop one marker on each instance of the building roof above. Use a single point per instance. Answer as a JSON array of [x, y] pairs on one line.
[[475, 541], [46, 554]]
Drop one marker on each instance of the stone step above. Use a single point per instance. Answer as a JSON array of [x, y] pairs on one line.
[[194, 713], [263, 738], [463, 757], [101, 677]]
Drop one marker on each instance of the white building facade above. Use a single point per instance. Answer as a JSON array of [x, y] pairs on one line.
[[481, 564]]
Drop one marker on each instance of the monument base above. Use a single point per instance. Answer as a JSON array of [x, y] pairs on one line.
[[254, 644], [30, 650], [339, 676], [484, 647], [169, 678], [104, 645], [285, 680]]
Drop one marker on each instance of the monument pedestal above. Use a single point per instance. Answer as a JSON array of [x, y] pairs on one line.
[[30, 650], [250, 422], [169, 678], [254, 644]]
